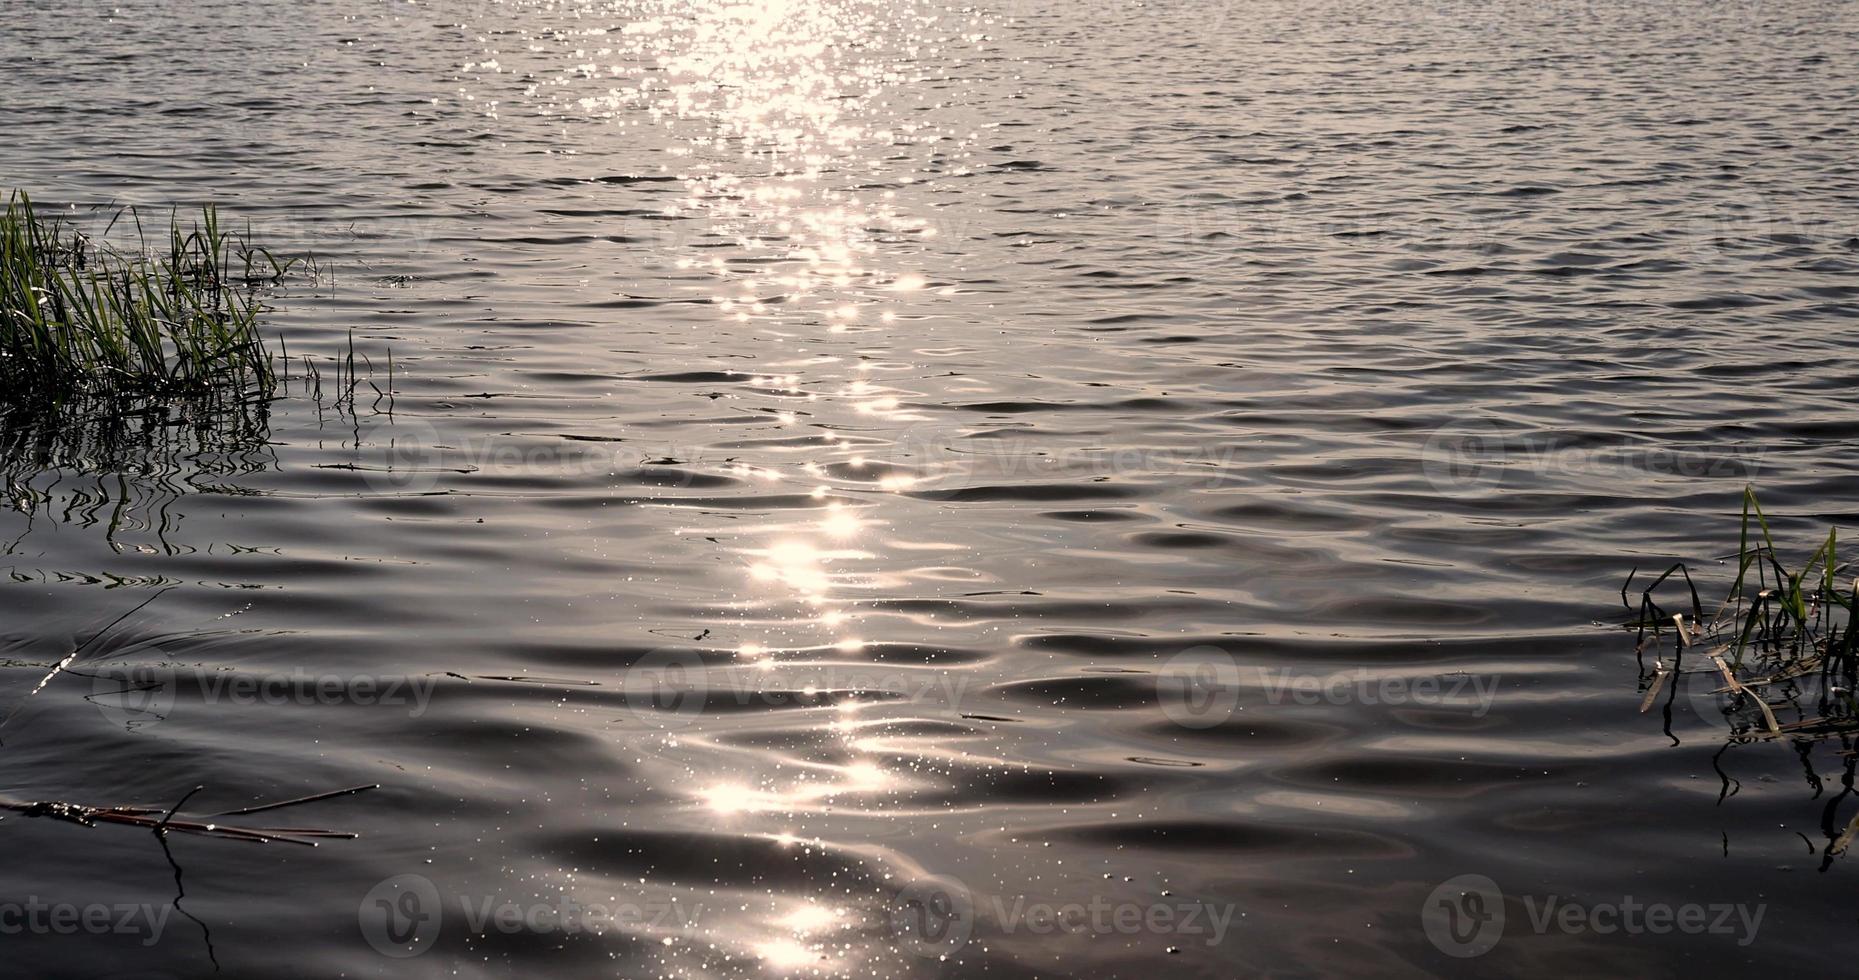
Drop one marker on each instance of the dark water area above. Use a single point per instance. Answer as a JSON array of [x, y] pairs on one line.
[[869, 489]]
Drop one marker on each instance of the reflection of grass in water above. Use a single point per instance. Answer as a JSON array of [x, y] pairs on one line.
[[122, 462], [79, 317], [128, 377], [1779, 654]]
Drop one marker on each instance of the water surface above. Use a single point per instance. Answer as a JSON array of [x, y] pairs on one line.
[[851, 463]]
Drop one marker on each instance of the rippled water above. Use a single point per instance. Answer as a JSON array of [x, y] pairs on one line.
[[856, 474]]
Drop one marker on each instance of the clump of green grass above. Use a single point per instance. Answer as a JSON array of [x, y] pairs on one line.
[[79, 318], [1782, 642], [1778, 659]]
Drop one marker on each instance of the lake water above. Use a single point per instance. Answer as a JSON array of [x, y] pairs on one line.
[[890, 489]]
